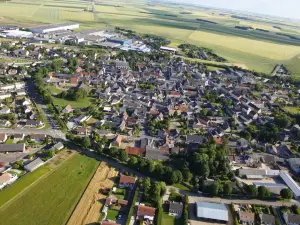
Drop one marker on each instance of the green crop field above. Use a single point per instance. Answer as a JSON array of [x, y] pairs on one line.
[[52, 199], [254, 49]]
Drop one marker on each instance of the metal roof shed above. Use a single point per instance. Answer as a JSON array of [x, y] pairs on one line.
[[290, 183], [213, 211]]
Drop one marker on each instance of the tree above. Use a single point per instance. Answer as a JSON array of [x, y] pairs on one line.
[[286, 193], [147, 187], [187, 175], [245, 134], [132, 162], [282, 120], [176, 177], [227, 189], [263, 192], [216, 188], [252, 190], [156, 192], [123, 156], [86, 142], [57, 64]]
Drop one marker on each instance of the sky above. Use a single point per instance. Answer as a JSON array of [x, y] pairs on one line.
[[282, 8]]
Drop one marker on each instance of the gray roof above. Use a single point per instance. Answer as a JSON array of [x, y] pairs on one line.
[[194, 138], [266, 218], [213, 211], [12, 147], [34, 164], [58, 146], [175, 206], [156, 154]]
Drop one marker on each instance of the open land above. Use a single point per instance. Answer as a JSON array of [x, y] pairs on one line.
[[256, 49], [52, 198], [88, 209]]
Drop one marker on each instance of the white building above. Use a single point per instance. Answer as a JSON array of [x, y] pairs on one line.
[[54, 27], [6, 179], [290, 183], [5, 95], [211, 211]]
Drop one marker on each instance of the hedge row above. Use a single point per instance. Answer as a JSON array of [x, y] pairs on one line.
[[132, 205]]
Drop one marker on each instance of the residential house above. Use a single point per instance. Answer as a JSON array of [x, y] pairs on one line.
[[34, 123], [3, 138], [175, 209], [291, 219], [133, 151], [18, 137], [266, 219], [116, 142], [80, 119], [68, 109], [38, 137], [246, 217], [83, 131], [5, 95], [12, 148], [58, 146], [146, 212], [294, 164], [127, 181], [6, 179], [104, 222], [156, 154], [4, 110]]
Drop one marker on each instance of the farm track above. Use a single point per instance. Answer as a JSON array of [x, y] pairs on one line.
[[89, 207]]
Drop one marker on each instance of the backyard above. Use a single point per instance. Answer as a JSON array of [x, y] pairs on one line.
[[56, 194]]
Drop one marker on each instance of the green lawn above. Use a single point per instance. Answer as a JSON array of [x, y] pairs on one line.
[[75, 104], [120, 193], [292, 110], [112, 214], [52, 199], [170, 220], [9, 140], [181, 187], [10, 192]]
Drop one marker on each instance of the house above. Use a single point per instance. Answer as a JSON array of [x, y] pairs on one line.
[[117, 142], [3, 138], [83, 131], [4, 110], [5, 123], [81, 119], [68, 109], [246, 217], [211, 211], [266, 219], [38, 137], [126, 181], [113, 200], [146, 212], [156, 154], [26, 102], [5, 95], [34, 165], [12, 148], [133, 151], [291, 219], [6, 179], [34, 123], [294, 164], [175, 209], [18, 137], [104, 222]]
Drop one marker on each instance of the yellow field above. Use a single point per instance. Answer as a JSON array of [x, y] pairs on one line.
[[254, 47]]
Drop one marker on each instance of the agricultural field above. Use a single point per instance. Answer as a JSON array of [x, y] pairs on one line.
[[211, 28], [51, 199], [89, 207]]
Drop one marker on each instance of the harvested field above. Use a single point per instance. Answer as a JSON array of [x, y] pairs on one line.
[[89, 207]]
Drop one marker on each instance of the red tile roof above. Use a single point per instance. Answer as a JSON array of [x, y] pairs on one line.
[[109, 223], [127, 179], [145, 211], [74, 80], [134, 151]]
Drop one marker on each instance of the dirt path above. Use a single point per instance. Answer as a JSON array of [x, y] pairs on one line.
[[89, 207]]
